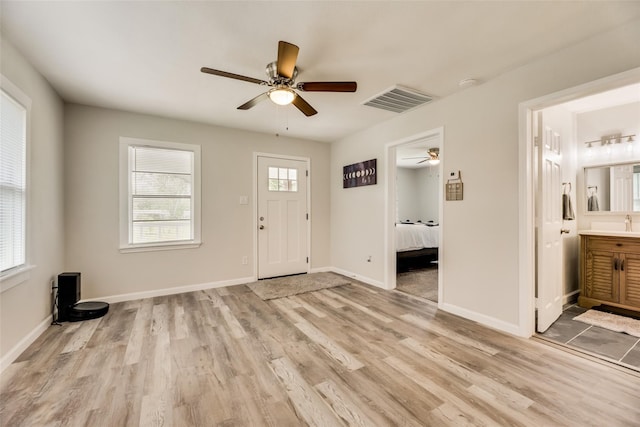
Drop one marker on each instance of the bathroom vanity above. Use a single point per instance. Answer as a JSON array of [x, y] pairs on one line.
[[610, 269]]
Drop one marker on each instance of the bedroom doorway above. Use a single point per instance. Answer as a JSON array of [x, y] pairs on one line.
[[414, 210]]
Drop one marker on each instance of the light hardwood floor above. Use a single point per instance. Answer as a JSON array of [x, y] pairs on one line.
[[351, 355]]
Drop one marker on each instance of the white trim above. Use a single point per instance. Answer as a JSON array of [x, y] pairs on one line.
[[257, 154], [160, 247], [124, 191], [526, 257], [568, 297], [364, 279], [389, 203], [483, 319], [23, 344], [21, 273], [172, 291], [15, 277], [321, 270]]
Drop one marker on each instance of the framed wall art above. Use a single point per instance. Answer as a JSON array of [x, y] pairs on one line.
[[360, 174]]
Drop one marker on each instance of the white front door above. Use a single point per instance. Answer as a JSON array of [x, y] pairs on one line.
[[282, 217], [549, 225]]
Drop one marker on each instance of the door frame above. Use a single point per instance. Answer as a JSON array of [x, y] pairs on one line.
[[254, 222], [526, 203], [390, 269]]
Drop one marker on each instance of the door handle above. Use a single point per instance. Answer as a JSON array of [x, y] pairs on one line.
[[622, 265], [564, 231], [262, 227], [615, 263]]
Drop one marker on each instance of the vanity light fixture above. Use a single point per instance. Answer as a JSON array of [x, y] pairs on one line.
[[589, 149], [630, 140], [607, 140]]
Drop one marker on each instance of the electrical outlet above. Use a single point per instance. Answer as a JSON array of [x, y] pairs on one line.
[[245, 260], [369, 259]]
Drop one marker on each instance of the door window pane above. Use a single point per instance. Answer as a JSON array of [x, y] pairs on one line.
[[283, 179]]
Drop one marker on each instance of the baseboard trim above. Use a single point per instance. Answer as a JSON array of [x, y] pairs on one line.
[[570, 297], [491, 322], [22, 345], [172, 291], [359, 277]]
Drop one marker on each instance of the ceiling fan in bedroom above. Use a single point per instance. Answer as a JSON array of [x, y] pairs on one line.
[[282, 75], [432, 157]]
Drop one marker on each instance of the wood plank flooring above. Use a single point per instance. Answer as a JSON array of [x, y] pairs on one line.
[[352, 355]]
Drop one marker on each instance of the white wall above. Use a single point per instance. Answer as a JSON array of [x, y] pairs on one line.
[[407, 191], [26, 307], [480, 235], [91, 199], [591, 126], [417, 193], [429, 204]]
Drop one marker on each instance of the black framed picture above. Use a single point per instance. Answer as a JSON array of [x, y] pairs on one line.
[[360, 174]]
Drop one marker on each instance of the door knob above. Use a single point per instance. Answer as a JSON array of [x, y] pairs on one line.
[[262, 227], [564, 231]]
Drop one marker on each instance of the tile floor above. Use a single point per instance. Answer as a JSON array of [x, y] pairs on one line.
[[613, 346]]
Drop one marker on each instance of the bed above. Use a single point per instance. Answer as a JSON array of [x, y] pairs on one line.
[[416, 245]]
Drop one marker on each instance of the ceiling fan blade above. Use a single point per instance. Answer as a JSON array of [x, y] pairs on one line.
[[328, 86], [304, 106], [254, 101], [232, 76], [287, 57], [412, 158], [422, 161]]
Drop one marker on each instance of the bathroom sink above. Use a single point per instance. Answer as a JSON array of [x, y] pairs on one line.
[[615, 233]]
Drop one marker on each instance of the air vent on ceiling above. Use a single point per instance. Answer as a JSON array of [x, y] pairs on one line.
[[398, 99]]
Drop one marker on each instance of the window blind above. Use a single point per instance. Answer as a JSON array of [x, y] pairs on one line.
[[13, 148], [161, 204]]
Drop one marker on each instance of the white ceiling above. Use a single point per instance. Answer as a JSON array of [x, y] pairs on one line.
[[146, 56], [411, 154], [611, 98]]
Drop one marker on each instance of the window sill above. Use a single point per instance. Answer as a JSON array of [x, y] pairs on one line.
[[16, 277], [159, 247]]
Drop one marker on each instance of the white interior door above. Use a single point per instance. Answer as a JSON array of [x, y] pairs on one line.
[[282, 217], [549, 226]]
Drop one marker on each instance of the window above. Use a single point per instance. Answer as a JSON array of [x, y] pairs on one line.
[[14, 116], [160, 207], [283, 179]]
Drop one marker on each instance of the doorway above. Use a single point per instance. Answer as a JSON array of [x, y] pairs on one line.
[[574, 115], [413, 215], [282, 216]]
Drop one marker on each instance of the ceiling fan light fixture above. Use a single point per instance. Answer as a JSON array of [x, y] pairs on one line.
[[433, 162], [281, 95]]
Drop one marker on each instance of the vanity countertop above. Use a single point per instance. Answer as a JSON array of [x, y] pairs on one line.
[[612, 233]]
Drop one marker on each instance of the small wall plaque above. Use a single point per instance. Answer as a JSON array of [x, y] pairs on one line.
[[360, 174], [453, 190]]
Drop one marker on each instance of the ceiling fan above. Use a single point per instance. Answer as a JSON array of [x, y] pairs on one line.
[[433, 157], [282, 75]]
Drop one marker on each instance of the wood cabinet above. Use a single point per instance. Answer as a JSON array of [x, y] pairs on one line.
[[610, 271]]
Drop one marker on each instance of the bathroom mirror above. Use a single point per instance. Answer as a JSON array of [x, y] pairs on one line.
[[612, 188]]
